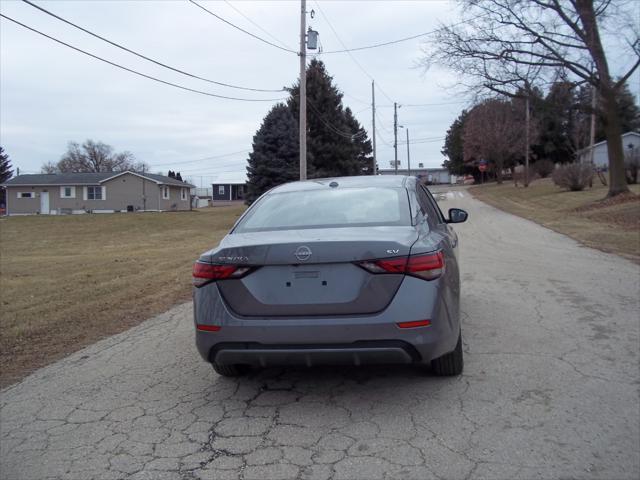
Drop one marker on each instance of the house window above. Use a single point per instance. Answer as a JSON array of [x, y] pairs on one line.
[[165, 193], [67, 192], [25, 195], [183, 193], [94, 193], [220, 189]]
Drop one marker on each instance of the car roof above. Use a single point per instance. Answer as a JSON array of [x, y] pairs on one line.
[[390, 181]]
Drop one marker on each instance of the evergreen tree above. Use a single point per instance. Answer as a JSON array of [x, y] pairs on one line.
[[557, 140], [362, 149], [628, 114], [331, 149], [6, 171], [178, 176], [171, 174], [453, 146], [275, 156]]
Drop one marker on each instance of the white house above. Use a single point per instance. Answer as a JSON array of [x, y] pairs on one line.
[[630, 143]]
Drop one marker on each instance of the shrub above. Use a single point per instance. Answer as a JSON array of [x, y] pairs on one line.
[[544, 168], [631, 166], [573, 176]]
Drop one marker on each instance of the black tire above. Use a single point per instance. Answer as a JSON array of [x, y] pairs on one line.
[[450, 363], [230, 370]]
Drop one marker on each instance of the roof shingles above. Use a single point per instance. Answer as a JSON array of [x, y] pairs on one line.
[[84, 179]]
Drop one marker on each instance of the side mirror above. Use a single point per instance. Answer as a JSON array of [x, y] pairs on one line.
[[457, 215]]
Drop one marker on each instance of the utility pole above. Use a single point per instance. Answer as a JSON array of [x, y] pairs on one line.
[[395, 136], [408, 155], [592, 134], [526, 153], [373, 121], [144, 196], [303, 91]]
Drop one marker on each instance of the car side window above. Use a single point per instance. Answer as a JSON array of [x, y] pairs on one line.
[[434, 204], [426, 206]]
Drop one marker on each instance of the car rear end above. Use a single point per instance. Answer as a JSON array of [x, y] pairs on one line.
[[346, 284]]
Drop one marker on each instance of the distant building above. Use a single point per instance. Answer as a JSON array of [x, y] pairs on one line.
[[630, 143], [229, 186], [426, 175], [202, 192], [106, 192]]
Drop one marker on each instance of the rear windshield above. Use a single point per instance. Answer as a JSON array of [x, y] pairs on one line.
[[330, 208]]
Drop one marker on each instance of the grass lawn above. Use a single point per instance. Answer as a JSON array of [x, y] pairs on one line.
[[67, 281], [611, 226]]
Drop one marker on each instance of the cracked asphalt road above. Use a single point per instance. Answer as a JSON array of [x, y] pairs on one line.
[[550, 389]]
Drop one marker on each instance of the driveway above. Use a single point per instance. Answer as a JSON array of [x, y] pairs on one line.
[[550, 389]]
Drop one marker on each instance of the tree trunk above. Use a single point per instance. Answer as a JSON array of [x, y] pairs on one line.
[[605, 87], [615, 149]]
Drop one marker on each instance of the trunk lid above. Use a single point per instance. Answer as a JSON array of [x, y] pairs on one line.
[[311, 272]]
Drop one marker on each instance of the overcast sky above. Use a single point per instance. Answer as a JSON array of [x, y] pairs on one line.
[[51, 95]]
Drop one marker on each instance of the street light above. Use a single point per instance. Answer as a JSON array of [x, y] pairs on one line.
[[408, 152]]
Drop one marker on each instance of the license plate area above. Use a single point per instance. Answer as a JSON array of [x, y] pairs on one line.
[[295, 285]]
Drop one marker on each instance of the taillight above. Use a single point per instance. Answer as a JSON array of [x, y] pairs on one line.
[[427, 266], [207, 272]]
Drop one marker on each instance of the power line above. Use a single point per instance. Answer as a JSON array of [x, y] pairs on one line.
[[135, 72], [379, 136], [255, 24], [405, 105], [198, 160], [399, 40], [242, 29], [145, 57], [424, 138], [232, 163], [235, 166], [349, 53], [432, 104], [376, 45], [381, 123], [240, 165], [214, 174], [357, 99], [435, 140], [332, 128]]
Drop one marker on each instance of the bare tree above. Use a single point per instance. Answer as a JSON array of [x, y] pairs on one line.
[[94, 157], [49, 167], [500, 40], [140, 167], [492, 132]]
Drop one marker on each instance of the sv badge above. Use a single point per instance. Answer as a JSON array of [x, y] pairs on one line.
[[392, 252]]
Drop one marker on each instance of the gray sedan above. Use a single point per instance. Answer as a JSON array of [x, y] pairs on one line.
[[353, 270]]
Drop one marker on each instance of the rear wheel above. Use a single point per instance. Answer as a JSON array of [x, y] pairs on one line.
[[230, 370], [450, 363]]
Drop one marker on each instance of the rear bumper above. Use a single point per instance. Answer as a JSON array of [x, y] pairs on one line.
[[357, 353], [341, 340]]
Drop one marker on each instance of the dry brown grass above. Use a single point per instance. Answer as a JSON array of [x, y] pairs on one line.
[[68, 281], [609, 226]]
